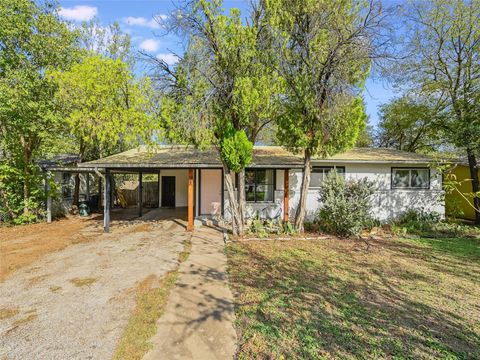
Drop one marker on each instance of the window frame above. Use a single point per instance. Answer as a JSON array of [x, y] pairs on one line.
[[255, 201], [310, 187], [392, 187]]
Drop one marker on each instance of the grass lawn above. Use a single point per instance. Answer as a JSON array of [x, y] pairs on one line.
[[332, 299]]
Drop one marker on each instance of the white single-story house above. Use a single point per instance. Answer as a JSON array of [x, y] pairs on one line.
[[193, 178]]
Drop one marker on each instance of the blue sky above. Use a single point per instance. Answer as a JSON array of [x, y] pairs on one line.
[[137, 19]]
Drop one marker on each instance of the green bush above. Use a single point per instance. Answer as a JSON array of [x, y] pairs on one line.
[[264, 228], [14, 208], [345, 205], [430, 224], [418, 220]]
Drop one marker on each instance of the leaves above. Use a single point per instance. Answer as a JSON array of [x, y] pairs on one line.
[[104, 105]]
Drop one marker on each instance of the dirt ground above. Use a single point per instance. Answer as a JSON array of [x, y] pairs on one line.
[[68, 288], [22, 245]]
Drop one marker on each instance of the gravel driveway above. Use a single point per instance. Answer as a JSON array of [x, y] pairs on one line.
[[75, 303]]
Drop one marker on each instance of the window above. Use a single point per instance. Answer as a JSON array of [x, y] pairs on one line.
[[259, 185], [320, 173], [66, 186], [410, 178]]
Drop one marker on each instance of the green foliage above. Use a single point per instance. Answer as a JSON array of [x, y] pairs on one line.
[[345, 205], [235, 149], [408, 124], [323, 73], [431, 225], [263, 228], [105, 108], [33, 41]]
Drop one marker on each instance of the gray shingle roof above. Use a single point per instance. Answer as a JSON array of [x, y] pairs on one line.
[[176, 156]]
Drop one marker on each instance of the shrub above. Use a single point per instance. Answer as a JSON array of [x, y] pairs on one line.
[[264, 228], [430, 224], [345, 209]]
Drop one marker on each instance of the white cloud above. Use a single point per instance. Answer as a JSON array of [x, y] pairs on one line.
[[151, 45], [78, 13], [170, 59], [141, 21]]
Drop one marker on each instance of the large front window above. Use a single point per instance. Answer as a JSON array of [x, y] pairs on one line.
[[259, 185], [319, 173], [410, 178]]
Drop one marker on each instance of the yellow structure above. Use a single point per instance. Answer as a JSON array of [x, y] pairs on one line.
[[459, 203]]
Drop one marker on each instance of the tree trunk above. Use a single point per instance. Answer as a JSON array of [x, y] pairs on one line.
[[472, 164], [301, 209], [242, 202], [237, 226]]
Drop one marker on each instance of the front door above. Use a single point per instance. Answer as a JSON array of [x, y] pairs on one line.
[[168, 191]]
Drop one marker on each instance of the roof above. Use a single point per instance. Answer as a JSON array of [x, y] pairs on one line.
[[60, 160], [177, 156]]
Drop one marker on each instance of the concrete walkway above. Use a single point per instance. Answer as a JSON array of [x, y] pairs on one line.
[[198, 321]]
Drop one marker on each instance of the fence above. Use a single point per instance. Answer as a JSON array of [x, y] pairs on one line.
[[150, 193]]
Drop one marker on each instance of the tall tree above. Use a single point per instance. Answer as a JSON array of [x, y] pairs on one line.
[[106, 109], [442, 60], [224, 85], [109, 41], [408, 124], [32, 41], [325, 49]]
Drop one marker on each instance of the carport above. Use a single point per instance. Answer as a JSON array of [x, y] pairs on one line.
[[179, 177]]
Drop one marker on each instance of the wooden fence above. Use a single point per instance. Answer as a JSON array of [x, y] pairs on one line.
[[150, 193]]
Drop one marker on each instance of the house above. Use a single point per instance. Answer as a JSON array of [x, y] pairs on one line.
[[65, 168], [459, 203], [193, 178]]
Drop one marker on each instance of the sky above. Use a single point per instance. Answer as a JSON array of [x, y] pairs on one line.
[[137, 18]]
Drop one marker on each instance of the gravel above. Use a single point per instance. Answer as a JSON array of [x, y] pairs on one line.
[[60, 320]]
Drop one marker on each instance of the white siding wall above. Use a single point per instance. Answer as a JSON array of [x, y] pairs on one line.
[[387, 203], [181, 186]]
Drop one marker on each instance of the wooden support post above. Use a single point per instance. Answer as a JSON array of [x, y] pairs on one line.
[[140, 194], [285, 195], [106, 202], [190, 200]]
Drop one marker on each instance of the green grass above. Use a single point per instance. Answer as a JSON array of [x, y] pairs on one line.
[[331, 299]]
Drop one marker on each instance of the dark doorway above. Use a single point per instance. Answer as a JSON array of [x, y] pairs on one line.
[[168, 191]]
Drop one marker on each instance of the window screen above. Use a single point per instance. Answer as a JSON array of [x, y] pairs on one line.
[[410, 178]]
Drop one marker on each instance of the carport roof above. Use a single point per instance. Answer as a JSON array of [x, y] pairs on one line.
[[177, 156]]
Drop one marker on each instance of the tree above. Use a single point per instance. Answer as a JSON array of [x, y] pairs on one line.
[[442, 61], [220, 91], [32, 41], [365, 136], [325, 51], [108, 41], [408, 124], [106, 110]]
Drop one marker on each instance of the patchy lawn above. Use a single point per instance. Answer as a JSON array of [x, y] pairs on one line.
[[332, 299]]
